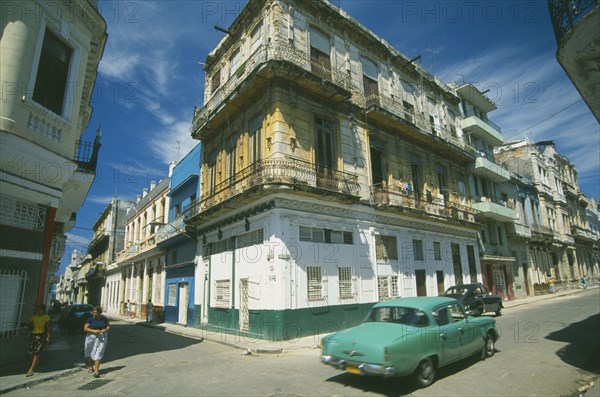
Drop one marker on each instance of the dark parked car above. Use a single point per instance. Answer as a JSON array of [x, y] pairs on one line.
[[75, 315], [476, 299]]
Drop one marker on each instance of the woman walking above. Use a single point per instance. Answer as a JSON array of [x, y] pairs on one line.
[[96, 328], [40, 335]]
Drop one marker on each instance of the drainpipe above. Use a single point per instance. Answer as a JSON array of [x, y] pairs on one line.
[[233, 273], [41, 295]]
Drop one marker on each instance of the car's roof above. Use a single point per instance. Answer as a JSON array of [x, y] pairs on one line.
[[421, 302], [466, 286]]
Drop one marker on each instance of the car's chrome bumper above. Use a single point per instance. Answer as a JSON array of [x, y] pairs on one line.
[[364, 368]]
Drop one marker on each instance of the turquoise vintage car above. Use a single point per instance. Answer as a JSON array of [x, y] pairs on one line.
[[410, 336]]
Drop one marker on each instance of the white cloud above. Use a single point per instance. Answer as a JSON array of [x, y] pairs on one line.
[[104, 200], [173, 141], [534, 94]]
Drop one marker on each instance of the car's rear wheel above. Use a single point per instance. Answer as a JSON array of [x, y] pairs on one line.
[[489, 347], [425, 372], [499, 312]]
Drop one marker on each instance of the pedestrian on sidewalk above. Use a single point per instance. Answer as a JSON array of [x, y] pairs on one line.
[[149, 308], [96, 328], [128, 309], [40, 328]]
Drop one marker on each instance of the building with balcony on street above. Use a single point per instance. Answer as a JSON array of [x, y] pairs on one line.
[[496, 211], [108, 240], [560, 243], [138, 274], [65, 288], [593, 220], [178, 241], [576, 25], [50, 53], [335, 174], [527, 280]]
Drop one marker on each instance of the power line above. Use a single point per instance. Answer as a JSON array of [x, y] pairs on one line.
[[547, 118]]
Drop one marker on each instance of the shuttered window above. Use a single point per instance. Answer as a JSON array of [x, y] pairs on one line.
[[223, 293]]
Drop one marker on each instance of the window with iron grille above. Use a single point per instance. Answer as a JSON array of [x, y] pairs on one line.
[[394, 286], [418, 250], [329, 236], [437, 251], [222, 293], [314, 283], [386, 247], [345, 281]]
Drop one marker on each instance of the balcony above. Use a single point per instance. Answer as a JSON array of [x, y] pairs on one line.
[[392, 113], [270, 61], [284, 175], [177, 226], [137, 248], [484, 130], [86, 155], [490, 170], [581, 233], [541, 233], [498, 210], [518, 230], [409, 202], [575, 24]]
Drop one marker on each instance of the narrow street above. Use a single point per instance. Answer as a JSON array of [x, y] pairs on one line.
[[547, 348]]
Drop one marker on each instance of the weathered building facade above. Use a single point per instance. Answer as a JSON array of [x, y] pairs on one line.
[[560, 237], [138, 275], [334, 175], [50, 54], [179, 242]]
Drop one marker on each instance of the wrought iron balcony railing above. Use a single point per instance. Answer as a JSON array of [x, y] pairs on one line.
[[566, 13], [470, 113], [429, 203], [287, 171], [263, 54], [398, 109]]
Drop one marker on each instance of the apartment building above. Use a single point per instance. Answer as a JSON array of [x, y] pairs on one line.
[[561, 239], [335, 174], [179, 241], [138, 274], [50, 53], [496, 211]]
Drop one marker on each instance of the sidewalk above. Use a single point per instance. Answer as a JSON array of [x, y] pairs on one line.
[[64, 355]]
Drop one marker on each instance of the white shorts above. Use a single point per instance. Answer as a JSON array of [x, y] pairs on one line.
[[95, 345]]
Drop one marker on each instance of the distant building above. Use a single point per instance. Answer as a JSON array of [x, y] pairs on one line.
[[576, 25], [50, 53], [179, 242], [561, 243], [138, 274], [108, 240]]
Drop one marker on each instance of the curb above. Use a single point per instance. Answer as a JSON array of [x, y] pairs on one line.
[[40, 379]]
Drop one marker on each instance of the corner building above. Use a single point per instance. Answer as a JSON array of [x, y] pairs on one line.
[[333, 176]]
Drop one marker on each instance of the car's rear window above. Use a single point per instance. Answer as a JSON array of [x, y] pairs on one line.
[[398, 315]]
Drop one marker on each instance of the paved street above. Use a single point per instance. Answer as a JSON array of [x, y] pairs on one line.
[[547, 348]]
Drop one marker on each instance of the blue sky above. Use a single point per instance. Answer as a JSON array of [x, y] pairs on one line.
[[149, 80]]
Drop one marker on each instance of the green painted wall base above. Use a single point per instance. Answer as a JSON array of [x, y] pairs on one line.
[[287, 324]]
